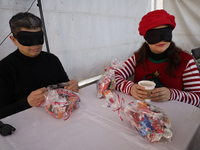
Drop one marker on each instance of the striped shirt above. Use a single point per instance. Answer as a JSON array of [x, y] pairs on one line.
[[185, 87]]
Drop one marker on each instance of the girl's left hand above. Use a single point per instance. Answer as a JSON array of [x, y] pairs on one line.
[[160, 94]]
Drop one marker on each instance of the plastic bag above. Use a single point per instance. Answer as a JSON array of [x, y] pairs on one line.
[[60, 102], [113, 101], [150, 121], [107, 80]]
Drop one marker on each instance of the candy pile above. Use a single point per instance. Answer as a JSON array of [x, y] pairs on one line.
[[107, 80], [61, 102], [149, 120]]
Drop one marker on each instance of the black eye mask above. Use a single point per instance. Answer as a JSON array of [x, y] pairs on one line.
[[30, 38], [154, 36]]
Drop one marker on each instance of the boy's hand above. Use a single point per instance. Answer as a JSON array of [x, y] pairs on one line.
[[73, 86], [36, 97]]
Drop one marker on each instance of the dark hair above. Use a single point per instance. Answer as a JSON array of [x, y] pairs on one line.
[[173, 59], [24, 20]]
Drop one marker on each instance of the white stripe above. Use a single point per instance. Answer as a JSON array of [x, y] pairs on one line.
[[189, 63], [118, 81], [134, 61], [128, 70], [190, 78], [124, 76], [127, 74], [191, 83], [172, 94], [176, 96], [131, 69], [187, 100], [121, 86], [190, 67], [130, 85], [194, 99], [191, 73], [180, 95], [186, 97], [191, 88]]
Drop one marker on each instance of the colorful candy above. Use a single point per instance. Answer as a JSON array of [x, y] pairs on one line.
[[60, 102], [107, 80], [149, 120]]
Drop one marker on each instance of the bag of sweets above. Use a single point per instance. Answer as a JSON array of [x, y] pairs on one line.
[[107, 80], [60, 102], [150, 121]]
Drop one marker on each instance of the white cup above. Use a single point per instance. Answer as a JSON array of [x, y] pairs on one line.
[[149, 86]]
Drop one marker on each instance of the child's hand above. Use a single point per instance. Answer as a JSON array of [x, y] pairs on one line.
[[160, 94]]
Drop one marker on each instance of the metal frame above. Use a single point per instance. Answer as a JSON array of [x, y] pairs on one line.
[[43, 25], [196, 55]]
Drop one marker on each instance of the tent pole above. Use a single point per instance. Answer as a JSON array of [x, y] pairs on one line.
[[43, 25], [155, 4]]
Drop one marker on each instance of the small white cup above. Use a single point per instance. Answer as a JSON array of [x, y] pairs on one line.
[[149, 86]]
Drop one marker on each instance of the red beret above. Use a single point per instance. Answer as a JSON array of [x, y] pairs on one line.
[[155, 18]]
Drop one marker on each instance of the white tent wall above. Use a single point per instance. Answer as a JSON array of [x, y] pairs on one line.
[[186, 35], [85, 34]]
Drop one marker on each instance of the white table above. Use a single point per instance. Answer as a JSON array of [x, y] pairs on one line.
[[92, 127]]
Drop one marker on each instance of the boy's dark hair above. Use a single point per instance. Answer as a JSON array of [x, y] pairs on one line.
[[24, 20]]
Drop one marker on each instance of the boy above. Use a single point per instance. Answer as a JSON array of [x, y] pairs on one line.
[[25, 73]]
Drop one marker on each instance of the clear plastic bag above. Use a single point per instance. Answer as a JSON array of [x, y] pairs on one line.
[[60, 102], [150, 121], [107, 80]]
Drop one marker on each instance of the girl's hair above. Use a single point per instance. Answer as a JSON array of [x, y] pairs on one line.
[[24, 20], [173, 59]]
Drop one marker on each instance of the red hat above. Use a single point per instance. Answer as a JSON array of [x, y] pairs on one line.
[[155, 18]]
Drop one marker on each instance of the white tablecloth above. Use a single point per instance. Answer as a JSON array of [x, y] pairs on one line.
[[93, 127]]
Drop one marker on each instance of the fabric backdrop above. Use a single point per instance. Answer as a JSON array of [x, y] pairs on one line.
[[187, 14]]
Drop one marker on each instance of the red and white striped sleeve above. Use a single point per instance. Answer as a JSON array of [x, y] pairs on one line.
[[191, 86], [121, 75]]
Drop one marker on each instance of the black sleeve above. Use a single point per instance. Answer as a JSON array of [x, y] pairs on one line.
[[8, 104]]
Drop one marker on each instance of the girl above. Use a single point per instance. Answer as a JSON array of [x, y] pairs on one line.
[[158, 59]]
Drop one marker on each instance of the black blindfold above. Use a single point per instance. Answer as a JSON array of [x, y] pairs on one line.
[[154, 36], [30, 38]]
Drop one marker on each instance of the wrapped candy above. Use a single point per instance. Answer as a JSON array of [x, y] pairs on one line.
[[150, 121], [60, 102], [107, 80]]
